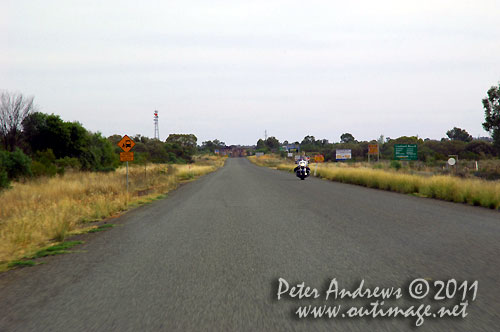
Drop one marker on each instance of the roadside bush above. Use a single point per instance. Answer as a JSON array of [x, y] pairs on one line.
[[106, 169], [4, 179], [68, 162], [396, 165], [41, 169], [45, 164], [98, 154], [16, 164]]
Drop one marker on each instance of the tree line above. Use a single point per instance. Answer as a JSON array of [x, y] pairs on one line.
[[34, 144], [459, 141], [428, 150]]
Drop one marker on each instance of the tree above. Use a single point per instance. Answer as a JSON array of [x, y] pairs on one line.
[[261, 146], [272, 143], [98, 154], [211, 146], [14, 108], [185, 140], [183, 146], [43, 131], [491, 106], [16, 164], [308, 140], [458, 134], [323, 142], [347, 138]]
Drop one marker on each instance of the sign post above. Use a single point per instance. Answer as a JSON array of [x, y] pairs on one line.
[[453, 161], [373, 149], [126, 144], [319, 158], [405, 151], [343, 154]]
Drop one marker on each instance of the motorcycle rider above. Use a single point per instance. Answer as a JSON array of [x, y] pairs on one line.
[[308, 170]]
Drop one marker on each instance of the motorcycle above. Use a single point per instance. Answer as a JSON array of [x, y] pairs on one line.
[[302, 170]]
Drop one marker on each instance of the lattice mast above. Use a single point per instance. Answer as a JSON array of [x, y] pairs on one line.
[[157, 130]]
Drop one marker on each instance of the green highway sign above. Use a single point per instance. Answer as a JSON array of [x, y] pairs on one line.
[[405, 151]]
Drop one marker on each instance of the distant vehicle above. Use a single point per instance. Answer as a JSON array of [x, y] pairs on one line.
[[302, 170]]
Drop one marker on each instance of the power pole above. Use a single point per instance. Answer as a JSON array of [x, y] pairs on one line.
[[157, 130], [265, 135]]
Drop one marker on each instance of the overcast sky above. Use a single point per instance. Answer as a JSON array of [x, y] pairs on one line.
[[232, 69]]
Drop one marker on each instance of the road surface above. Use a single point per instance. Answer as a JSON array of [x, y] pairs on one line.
[[209, 256]]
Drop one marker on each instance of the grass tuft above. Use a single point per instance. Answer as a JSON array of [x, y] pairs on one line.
[[101, 228], [20, 263], [57, 249]]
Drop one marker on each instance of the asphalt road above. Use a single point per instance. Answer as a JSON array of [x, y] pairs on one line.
[[208, 258]]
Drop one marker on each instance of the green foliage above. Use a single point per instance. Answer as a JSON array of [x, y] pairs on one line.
[[158, 152], [43, 132], [459, 134], [211, 146], [347, 138], [21, 263], [272, 143], [68, 162], [491, 106], [68, 140], [184, 140], [15, 164], [56, 249], [180, 147], [98, 155], [396, 165], [261, 146], [101, 228], [4, 179], [44, 163], [430, 151]]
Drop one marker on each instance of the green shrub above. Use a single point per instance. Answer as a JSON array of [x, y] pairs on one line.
[[4, 179], [396, 165], [41, 169], [45, 164], [68, 162], [16, 164], [106, 169]]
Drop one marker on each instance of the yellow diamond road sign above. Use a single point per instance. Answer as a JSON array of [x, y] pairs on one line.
[[319, 158], [126, 143]]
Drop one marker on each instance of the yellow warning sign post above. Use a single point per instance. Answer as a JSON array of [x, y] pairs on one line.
[[126, 156], [126, 144], [319, 158], [373, 150]]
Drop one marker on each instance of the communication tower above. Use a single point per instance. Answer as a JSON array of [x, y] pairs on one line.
[[157, 130]]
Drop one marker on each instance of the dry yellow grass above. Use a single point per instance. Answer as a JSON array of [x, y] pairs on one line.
[[44, 210], [267, 160], [470, 191]]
